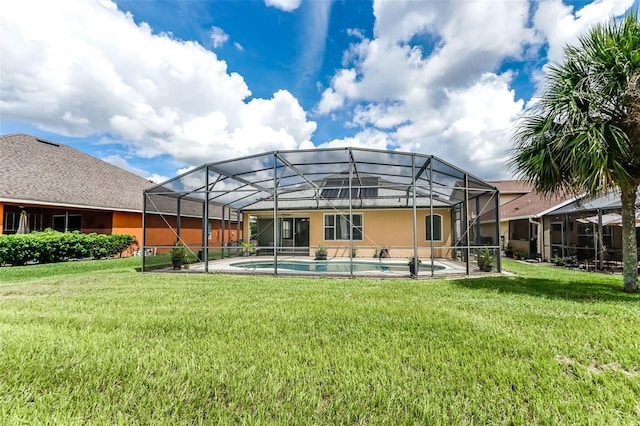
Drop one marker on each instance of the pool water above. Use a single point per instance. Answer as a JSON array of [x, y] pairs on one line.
[[332, 266]]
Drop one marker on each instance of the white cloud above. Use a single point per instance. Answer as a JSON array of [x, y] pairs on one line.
[[218, 37], [462, 40], [85, 68], [356, 32], [432, 78], [316, 26], [369, 138], [118, 161], [560, 25], [286, 5], [472, 127], [156, 178], [427, 81]]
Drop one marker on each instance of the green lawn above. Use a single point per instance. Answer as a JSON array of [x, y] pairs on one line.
[[99, 343]]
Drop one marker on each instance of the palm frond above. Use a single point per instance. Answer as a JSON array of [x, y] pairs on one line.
[[580, 135]]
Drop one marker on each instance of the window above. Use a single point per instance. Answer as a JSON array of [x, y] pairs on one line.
[[437, 227], [286, 229], [336, 227], [519, 230], [11, 221], [35, 222], [74, 224]]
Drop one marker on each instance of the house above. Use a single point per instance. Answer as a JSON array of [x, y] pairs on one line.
[[589, 228], [353, 201], [522, 222], [62, 188], [542, 226], [522, 211]]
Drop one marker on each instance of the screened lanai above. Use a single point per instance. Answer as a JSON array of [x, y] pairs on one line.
[[366, 210]]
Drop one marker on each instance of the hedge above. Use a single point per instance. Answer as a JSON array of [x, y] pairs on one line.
[[53, 246]]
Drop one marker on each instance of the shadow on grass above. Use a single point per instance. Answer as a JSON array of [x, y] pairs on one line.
[[541, 287]]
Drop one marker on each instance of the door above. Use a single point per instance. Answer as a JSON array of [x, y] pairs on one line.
[[301, 236], [557, 239]]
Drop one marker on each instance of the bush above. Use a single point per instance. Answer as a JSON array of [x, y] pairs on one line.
[[53, 246]]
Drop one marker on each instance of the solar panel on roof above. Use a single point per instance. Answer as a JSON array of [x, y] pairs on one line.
[[369, 192], [330, 193]]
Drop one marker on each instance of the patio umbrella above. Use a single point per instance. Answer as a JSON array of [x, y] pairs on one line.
[[607, 219], [23, 225], [619, 221]]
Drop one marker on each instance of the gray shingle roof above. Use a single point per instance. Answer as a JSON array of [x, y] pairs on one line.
[[39, 171]]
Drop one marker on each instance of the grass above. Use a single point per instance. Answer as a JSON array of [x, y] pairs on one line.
[[98, 343]]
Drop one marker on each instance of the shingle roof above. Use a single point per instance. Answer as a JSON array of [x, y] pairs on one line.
[[532, 204], [36, 170], [608, 201], [512, 186]]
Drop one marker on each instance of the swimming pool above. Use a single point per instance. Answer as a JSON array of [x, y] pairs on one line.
[[334, 266]]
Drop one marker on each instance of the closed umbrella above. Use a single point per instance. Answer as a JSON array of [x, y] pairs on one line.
[[23, 225], [619, 222], [607, 219]]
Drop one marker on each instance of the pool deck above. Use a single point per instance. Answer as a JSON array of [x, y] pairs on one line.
[[225, 266]]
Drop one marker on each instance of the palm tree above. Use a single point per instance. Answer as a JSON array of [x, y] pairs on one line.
[[583, 133]]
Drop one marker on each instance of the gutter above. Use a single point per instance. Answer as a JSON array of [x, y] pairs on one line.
[[67, 205], [86, 207]]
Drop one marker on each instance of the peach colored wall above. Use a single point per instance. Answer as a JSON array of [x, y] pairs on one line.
[[161, 234], [230, 234], [158, 233], [382, 228], [128, 223]]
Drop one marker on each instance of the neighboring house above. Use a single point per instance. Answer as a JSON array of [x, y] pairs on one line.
[[522, 227], [589, 228], [344, 198], [62, 188], [549, 226]]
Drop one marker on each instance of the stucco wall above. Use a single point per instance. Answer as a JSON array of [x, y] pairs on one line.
[[381, 228], [161, 233], [127, 223]]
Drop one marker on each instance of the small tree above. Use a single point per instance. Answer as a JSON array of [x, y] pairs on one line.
[[583, 134]]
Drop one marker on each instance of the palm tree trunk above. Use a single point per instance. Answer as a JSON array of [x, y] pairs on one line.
[[629, 247]]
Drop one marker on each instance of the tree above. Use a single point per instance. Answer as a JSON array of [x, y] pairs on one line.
[[583, 133]]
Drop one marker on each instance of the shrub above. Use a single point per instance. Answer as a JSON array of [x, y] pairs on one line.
[[53, 246]]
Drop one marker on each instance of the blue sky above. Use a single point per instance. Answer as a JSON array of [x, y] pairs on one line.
[[157, 87]]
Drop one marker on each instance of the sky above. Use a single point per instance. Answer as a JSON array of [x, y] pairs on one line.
[[160, 86]]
